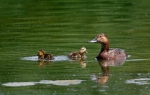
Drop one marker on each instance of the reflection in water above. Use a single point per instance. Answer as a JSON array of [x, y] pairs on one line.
[[82, 63], [103, 78], [104, 64], [80, 60], [43, 62]]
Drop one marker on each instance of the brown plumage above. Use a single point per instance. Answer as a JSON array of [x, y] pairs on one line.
[[107, 53], [79, 54], [43, 55]]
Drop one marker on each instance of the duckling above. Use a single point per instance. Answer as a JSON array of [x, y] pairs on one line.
[[79, 54], [43, 55], [107, 53]]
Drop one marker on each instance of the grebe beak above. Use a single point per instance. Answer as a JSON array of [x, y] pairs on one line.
[[93, 41]]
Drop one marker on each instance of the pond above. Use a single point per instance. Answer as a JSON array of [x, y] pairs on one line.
[[60, 27]]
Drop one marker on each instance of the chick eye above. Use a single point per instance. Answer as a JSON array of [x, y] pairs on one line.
[[100, 36]]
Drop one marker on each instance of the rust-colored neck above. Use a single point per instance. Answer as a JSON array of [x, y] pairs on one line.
[[105, 47]]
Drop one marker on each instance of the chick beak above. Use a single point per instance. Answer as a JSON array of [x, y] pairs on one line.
[[86, 52]]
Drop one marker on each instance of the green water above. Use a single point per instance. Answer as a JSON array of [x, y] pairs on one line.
[[63, 26]]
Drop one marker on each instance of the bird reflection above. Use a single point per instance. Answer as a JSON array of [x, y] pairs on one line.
[[80, 60], [104, 64], [82, 63], [43, 62]]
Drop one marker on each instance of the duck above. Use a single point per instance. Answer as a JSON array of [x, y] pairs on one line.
[[107, 53], [79, 54], [43, 55]]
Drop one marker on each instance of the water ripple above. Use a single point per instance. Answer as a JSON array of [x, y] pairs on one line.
[[56, 58], [140, 81], [137, 59], [55, 82]]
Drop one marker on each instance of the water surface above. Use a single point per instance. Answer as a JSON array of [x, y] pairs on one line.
[[60, 27]]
